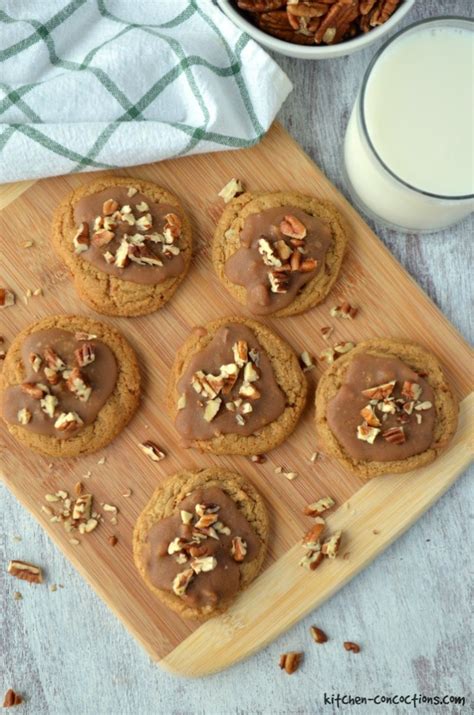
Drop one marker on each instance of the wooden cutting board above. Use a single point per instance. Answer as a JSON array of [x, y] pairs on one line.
[[390, 303]]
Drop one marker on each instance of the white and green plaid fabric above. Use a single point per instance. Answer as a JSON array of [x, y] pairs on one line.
[[99, 84]]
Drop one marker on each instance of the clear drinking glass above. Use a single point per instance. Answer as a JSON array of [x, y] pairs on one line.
[[388, 194]]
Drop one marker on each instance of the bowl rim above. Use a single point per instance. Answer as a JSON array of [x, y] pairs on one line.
[[313, 51]]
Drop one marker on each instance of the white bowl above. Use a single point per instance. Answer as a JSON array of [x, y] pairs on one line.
[[314, 52]]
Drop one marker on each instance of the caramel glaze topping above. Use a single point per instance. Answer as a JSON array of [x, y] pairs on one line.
[[384, 411], [196, 553], [129, 236], [228, 388], [69, 377], [281, 249]]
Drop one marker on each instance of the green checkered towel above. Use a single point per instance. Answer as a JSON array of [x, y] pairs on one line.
[[99, 84]]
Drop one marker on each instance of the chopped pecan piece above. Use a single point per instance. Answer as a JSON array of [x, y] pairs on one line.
[[349, 645], [85, 354], [423, 406], [240, 351], [68, 421], [330, 548], [203, 564], [11, 698], [345, 310], [35, 390], [379, 392], [152, 450], [266, 251], [319, 507], [48, 405], [77, 384], [293, 227], [35, 361], [367, 434], [411, 390], [290, 662], [238, 549], [103, 237], [308, 265], [370, 417], [81, 240], [182, 581], [312, 560], [25, 571], [211, 409], [394, 435], [311, 538], [279, 282], [230, 190], [24, 416], [53, 360], [121, 256], [318, 635]]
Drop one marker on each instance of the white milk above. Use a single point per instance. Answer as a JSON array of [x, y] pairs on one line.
[[418, 107]]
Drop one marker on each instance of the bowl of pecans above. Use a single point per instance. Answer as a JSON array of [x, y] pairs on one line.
[[315, 29]]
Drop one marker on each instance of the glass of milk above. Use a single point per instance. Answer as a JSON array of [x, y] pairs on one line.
[[409, 146]]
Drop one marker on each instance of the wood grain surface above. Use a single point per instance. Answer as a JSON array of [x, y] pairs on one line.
[[370, 278], [67, 654]]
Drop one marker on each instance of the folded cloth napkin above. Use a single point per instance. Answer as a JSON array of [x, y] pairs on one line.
[[99, 84]]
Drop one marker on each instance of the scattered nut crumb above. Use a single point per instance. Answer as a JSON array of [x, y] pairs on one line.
[[53, 587], [152, 450], [11, 699], [231, 189], [17, 596], [7, 298], [313, 457], [258, 458], [306, 361], [16, 537], [27, 244], [290, 662], [375, 531], [345, 310], [318, 635], [74, 542], [78, 488], [102, 460], [112, 539], [128, 493], [326, 331], [348, 645]]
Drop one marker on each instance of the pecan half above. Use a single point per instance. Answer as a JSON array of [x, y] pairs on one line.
[[318, 635], [11, 699], [25, 571], [290, 662]]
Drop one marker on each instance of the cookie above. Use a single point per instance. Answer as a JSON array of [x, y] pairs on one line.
[[385, 407], [69, 385], [126, 242], [235, 388], [279, 253], [200, 540]]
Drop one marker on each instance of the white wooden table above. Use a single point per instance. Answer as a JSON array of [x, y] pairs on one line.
[[67, 653]]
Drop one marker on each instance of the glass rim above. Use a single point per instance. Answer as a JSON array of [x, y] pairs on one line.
[[368, 72]]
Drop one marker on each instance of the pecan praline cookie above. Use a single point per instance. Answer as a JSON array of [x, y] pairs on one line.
[[317, 283], [411, 409], [165, 503], [279, 380], [109, 416], [102, 288]]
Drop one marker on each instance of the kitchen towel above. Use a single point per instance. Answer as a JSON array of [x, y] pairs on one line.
[[100, 84]]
